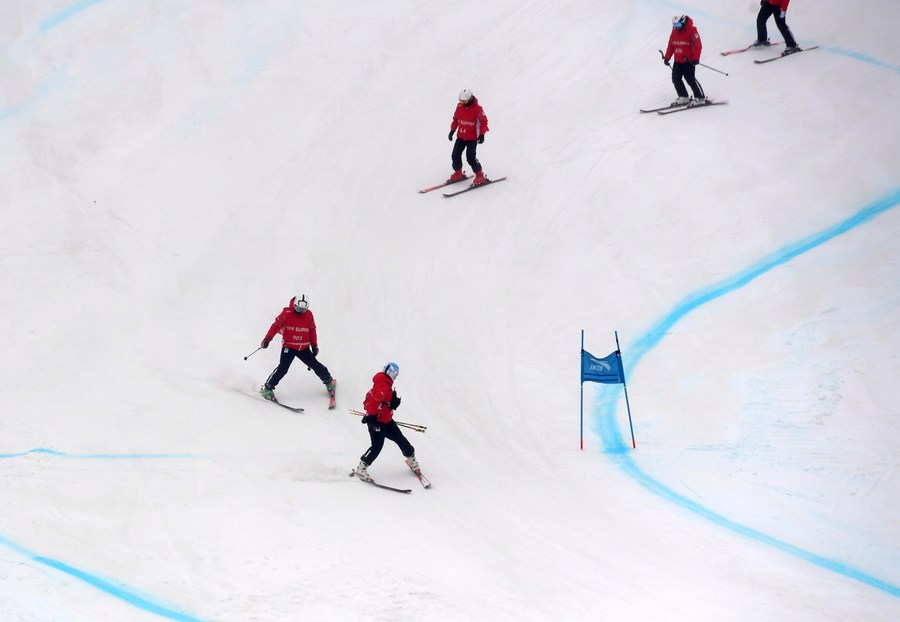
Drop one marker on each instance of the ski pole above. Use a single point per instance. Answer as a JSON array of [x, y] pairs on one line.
[[252, 353], [411, 426], [664, 58], [713, 68]]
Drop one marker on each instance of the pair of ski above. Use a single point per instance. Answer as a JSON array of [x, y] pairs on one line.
[[458, 192], [765, 60], [752, 46], [675, 108], [418, 473], [332, 402]]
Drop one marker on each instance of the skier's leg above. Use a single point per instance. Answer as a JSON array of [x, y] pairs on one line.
[[691, 77], [761, 18], [287, 357], [456, 156], [471, 147], [313, 363], [677, 74], [781, 22], [394, 433], [376, 436]]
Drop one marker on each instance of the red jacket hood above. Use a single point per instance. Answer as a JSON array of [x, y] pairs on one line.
[[382, 377], [688, 23]]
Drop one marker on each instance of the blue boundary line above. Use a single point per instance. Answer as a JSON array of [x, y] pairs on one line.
[[612, 440], [608, 431], [62, 454], [63, 14], [124, 593]]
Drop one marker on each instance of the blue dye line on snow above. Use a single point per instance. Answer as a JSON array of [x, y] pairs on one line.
[[871, 60], [126, 594], [62, 15], [53, 452], [614, 444]]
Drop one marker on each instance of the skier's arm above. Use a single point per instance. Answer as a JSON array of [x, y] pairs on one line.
[[276, 327]]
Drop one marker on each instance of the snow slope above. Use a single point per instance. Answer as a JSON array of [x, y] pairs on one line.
[[175, 172]]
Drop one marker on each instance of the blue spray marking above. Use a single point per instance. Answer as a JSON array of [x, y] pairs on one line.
[[60, 16], [60, 454], [122, 592], [608, 429], [865, 58]]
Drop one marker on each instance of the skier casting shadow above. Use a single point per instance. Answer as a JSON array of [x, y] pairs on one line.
[[470, 124], [380, 403]]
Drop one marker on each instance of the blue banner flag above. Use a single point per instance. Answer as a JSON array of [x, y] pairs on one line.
[[607, 370]]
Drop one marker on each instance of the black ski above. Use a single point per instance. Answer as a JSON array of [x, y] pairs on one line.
[[769, 60], [418, 473], [486, 183], [377, 485], [665, 107], [706, 105], [446, 183], [749, 47], [296, 409]]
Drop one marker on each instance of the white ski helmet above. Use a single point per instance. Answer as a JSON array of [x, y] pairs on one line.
[[301, 303], [392, 370], [465, 95]]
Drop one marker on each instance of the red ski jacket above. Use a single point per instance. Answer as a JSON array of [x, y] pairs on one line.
[[470, 120], [684, 44], [781, 4], [378, 399], [298, 330]]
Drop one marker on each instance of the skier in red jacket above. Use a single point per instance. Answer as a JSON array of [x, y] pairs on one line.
[[778, 9], [685, 46], [380, 403], [470, 124], [298, 329]]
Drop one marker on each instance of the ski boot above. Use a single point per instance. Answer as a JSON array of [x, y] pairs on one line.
[[362, 472]]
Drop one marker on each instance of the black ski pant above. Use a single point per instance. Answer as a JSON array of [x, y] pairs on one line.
[[469, 146], [380, 431], [766, 11], [685, 71], [287, 357]]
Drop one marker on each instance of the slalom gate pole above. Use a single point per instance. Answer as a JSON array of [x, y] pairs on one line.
[[713, 68], [252, 353], [411, 426], [581, 407], [625, 386]]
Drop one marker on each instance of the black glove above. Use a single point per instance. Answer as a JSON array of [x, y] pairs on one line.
[[395, 400], [314, 350], [665, 62], [365, 418], [695, 62], [264, 344], [450, 135], [481, 139]]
